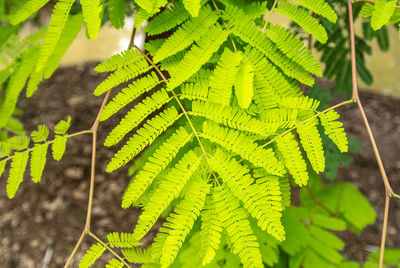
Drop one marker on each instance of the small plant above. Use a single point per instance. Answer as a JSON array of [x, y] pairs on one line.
[[220, 132]]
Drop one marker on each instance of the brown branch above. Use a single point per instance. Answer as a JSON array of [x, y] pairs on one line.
[[388, 189], [86, 229]]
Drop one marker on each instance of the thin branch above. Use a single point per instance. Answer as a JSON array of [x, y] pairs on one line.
[[89, 131], [319, 203], [308, 119], [388, 189], [86, 229], [269, 15]]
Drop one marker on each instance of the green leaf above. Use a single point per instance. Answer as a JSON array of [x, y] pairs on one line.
[[62, 127], [244, 84], [356, 209], [382, 12], [193, 6], [41, 134], [38, 161], [116, 10], [92, 10], [382, 37], [27, 10], [59, 145], [16, 174], [91, 255], [56, 26]]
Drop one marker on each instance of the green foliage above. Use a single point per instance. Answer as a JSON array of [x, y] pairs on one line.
[[57, 23], [383, 10], [27, 10], [92, 10], [304, 20], [216, 165], [91, 255], [116, 11], [18, 165]]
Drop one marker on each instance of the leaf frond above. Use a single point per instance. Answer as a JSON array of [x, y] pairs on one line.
[[242, 145], [143, 137], [154, 166], [91, 255], [169, 189]]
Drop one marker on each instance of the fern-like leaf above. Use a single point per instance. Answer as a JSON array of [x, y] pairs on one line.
[[2, 166], [169, 189], [154, 166], [382, 13], [57, 23], [16, 173], [144, 136], [312, 144], [136, 115], [179, 223], [138, 255], [223, 78], [320, 7], [128, 94], [233, 117], [303, 19], [193, 6], [211, 228], [269, 83], [119, 60], [294, 161], [41, 134], [242, 145], [17, 83], [58, 147], [303, 103], [189, 32], [294, 49], [242, 239], [243, 27], [27, 10], [334, 129], [127, 71], [114, 263], [121, 240], [91, 255], [70, 31], [253, 196], [244, 84], [92, 10], [194, 91], [38, 161], [198, 55], [167, 20]]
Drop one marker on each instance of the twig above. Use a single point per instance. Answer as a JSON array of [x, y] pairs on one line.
[[86, 229], [308, 119], [89, 131], [269, 15], [388, 189]]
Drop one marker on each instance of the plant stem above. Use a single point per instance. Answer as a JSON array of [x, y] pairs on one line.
[[93, 130], [89, 131], [269, 15], [388, 189], [308, 119]]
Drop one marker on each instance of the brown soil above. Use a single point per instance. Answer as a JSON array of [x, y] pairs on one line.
[[46, 219]]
